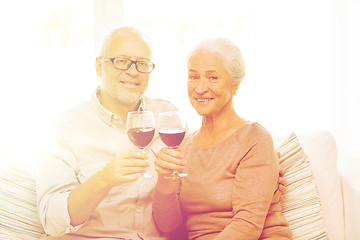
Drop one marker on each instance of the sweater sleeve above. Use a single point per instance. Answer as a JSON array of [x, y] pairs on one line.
[[253, 190], [166, 212]]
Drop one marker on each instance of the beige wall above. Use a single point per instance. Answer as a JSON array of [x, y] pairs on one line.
[[107, 14]]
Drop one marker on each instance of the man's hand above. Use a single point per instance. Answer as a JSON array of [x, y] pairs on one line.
[[281, 189], [124, 167], [282, 181]]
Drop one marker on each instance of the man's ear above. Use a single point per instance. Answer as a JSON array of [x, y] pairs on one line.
[[98, 66]]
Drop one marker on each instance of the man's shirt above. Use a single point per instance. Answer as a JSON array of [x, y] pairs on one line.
[[83, 141]]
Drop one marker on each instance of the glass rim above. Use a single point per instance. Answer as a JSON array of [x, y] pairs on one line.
[[140, 112], [168, 113]]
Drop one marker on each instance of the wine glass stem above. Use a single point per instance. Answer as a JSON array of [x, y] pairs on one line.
[[144, 175], [175, 173]]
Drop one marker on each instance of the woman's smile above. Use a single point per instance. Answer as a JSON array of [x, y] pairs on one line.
[[204, 100]]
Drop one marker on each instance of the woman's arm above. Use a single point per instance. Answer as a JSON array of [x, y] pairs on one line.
[[166, 208], [254, 185]]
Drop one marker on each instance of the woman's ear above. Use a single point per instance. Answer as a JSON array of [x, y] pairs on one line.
[[236, 86], [98, 66]]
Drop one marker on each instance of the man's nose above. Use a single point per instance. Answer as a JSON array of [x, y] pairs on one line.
[[132, 69], [202, 86]]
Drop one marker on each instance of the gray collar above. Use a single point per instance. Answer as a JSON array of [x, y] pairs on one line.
[[107, 116]]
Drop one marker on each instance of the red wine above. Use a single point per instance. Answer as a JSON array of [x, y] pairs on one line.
[[141, 137], [172, 137]]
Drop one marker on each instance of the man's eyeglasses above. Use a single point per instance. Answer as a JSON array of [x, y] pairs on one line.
[[121, 63]]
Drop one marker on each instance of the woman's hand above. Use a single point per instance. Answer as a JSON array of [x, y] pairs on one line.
[[167, 160]]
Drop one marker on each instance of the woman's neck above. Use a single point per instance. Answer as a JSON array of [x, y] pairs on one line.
[[215, 129], [214, 124]]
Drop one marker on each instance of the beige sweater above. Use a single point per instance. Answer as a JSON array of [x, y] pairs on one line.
[[229, 192]]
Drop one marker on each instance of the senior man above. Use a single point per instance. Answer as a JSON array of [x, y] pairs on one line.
[[88, 184]]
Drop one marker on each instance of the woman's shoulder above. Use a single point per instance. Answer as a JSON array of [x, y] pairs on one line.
[[189, 136], [256, 127], [256, 132]]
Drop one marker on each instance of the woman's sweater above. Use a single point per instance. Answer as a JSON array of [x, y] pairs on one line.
[[230, 191]]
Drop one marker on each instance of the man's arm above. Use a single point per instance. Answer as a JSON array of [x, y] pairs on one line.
[[123, 168], [63, 202]]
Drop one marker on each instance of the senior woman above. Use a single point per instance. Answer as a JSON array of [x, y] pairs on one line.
[[231, 188]]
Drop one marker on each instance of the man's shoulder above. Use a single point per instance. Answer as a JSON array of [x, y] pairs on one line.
[[71, 115], [158, 104]]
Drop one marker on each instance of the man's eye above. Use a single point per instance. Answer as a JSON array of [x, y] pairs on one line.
[[193, 77], [121, 61], [143, 64]]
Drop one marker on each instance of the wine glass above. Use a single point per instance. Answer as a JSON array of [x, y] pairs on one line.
[[172, 128], [140, 127]]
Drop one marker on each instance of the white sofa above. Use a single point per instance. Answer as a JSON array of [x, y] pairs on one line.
[[339, 194], [350, 182], [338, 190]]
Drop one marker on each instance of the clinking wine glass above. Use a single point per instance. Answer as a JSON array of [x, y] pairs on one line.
[[172, 128], [140, 126]]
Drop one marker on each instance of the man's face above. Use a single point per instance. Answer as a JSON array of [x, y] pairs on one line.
[[123, 86]]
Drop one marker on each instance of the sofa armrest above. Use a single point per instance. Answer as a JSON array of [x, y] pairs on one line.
[[350, 181]]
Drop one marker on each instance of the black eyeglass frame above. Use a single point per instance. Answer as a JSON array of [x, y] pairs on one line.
[[132, 62]]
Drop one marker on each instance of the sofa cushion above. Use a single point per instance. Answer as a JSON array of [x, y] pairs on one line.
[[18, 212], [301, 202], [320, 149]]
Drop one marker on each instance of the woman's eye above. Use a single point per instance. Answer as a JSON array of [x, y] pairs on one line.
[[213, 77]]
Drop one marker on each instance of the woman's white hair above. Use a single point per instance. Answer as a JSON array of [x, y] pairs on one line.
[[122, 30], [228, 51]]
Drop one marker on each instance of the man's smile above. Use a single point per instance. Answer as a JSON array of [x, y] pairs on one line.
[[129, 84]]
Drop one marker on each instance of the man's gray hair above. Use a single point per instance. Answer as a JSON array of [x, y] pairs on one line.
[[122, 30]]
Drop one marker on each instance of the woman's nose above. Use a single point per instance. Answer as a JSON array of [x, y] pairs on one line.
[[201, 86]]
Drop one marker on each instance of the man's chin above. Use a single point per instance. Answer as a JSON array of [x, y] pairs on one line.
[[128, 99]]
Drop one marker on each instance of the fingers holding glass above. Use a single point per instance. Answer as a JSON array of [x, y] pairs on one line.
[[167, 161], [172, 129], [124, 167], [140, 126]]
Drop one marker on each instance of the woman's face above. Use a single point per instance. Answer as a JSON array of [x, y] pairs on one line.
[[210, 87]]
